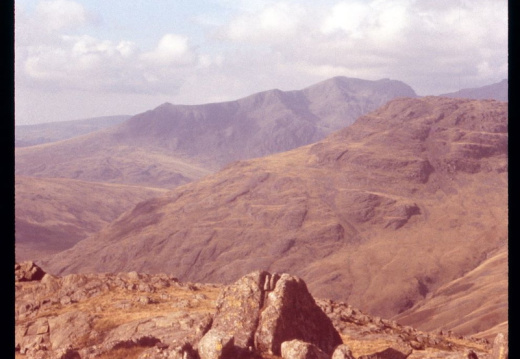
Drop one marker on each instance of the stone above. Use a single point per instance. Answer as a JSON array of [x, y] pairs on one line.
[[133, 275], [290, 312], [342, 351], [238, 307], [297, 349], [416, 345], [216, 344], [27, 271], [500, 348], [65, 300], [52, 283], [61, 335], [144, 299]]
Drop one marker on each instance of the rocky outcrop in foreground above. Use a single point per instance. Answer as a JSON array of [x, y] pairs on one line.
[[262, 315]]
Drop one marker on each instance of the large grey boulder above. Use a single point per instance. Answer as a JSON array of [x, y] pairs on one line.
[[238, 307], [290, 312], [263, 310]]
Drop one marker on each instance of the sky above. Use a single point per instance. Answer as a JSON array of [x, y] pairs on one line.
[[78, 59]]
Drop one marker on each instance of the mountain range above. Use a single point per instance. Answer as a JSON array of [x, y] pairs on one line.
[[380, 214], [402, 213], [176, 144]]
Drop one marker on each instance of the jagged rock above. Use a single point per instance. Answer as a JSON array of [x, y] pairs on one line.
[[27, 271], [297, 349], [33, 336], [500, 347], [290, 312], [238, 307], [216, 344], [342, 351]]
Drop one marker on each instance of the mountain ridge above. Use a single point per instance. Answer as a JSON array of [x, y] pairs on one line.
[[208, 136]]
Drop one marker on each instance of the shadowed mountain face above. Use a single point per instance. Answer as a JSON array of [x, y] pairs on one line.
[[498, 91], [175, 144], [30, 135], [452, 305], [53, 214], [405, 200]]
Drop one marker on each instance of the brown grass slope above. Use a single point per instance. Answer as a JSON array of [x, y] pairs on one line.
[[474, 303], [53, 214], [175, 144], [408, 198]]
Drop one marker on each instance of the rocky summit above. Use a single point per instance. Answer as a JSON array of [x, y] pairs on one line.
[[262, 315], [382, 214]]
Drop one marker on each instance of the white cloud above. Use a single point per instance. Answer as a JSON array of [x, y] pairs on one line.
[[273, 23], [61, 14], [171, 49], [127, 48], [433, 45], [90, 64], [348, 17], [426, 43]]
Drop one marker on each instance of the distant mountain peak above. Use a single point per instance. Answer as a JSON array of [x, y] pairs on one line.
[[165, 105], [497, 91]]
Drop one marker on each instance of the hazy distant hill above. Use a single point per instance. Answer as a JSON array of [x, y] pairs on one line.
[[175, 144], [53, 214], [405, 200], [30, 135], [497, 91]]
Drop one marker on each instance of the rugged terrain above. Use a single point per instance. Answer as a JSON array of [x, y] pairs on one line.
[[381, 214], [53, 214], [175, 144], [261, 315]]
